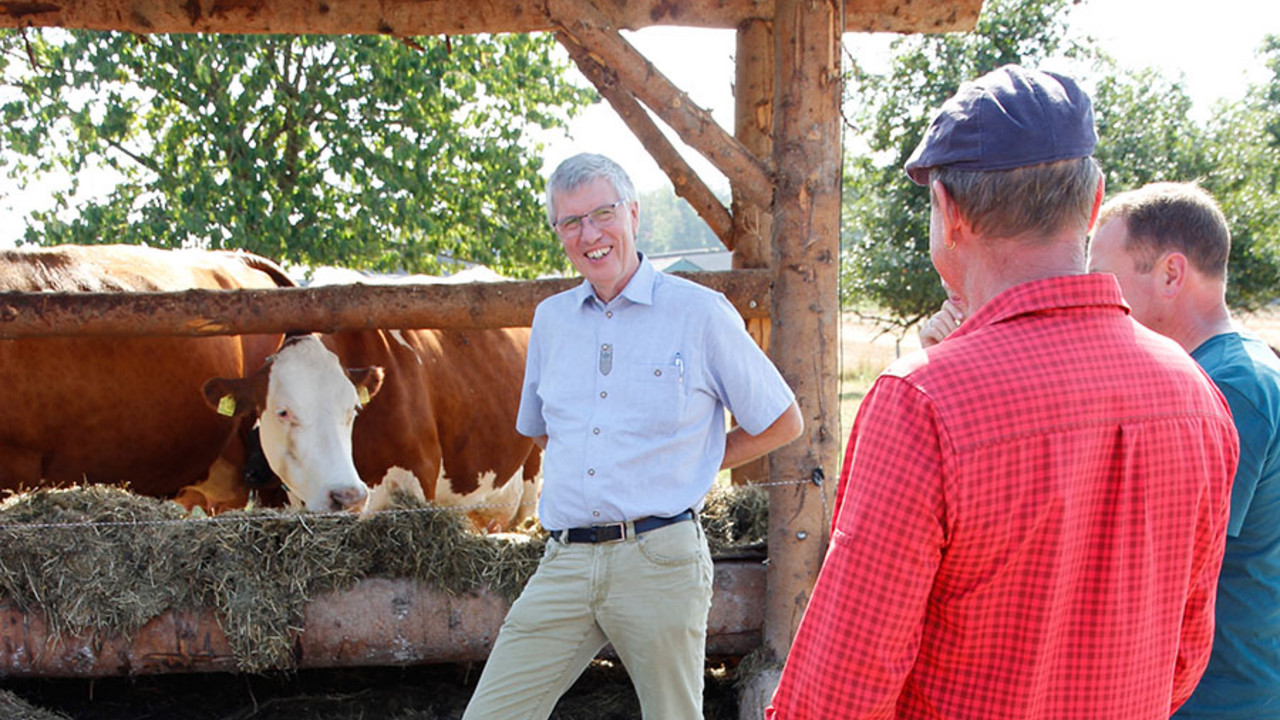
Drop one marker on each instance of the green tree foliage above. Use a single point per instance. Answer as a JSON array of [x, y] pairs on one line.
[[1146, 134], [669, 224], [885, 229], [1145, 130], [1244, 175], [363, 151]]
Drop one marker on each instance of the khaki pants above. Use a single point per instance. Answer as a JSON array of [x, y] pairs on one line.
[[648, 595]]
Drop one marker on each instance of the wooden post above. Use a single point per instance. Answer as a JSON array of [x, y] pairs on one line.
[[753, 127], [806, 247], [752, 211]]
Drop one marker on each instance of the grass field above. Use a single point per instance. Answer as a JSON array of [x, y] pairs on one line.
[[865, 350]]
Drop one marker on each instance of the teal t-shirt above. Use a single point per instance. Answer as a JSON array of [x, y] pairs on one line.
[[1243, 677]]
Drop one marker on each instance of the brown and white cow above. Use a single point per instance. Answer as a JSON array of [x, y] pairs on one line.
[[126, 409], [444, 413]]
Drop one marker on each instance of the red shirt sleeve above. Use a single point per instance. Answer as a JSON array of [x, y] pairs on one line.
[[862, 629]]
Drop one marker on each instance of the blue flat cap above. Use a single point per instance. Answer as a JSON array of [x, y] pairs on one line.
[[1009, 118]]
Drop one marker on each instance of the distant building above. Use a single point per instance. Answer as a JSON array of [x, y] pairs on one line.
[[693, 260], [458, 272]]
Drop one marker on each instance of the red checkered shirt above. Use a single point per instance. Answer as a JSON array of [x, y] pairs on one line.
[[1029, 524]]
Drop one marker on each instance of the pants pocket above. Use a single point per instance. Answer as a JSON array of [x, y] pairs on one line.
[[678, 544]]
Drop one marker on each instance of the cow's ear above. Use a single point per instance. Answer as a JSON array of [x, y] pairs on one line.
[[232, 397], [368, 381]]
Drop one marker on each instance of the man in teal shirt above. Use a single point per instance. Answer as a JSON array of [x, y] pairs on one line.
[[1167, 244]]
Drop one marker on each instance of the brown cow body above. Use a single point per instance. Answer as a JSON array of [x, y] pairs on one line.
[[125, 409], [440, 414], [446, 413]]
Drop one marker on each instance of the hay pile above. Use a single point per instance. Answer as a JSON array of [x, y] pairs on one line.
[[101, 560], [736, 520], [13, 707]]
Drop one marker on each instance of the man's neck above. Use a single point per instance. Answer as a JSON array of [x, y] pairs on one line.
[[1197, 312], [1195, 328], [1008, 263]]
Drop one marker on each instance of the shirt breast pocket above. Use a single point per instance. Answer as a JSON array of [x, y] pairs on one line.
[[655, 399]]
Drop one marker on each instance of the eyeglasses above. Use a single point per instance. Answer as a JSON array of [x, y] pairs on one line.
[[600, 218]]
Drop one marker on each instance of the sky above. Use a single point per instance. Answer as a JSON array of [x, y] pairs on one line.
[[1209, 46]]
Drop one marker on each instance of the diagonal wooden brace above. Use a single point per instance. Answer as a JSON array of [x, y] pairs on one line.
[[686, 182], [591, 29]]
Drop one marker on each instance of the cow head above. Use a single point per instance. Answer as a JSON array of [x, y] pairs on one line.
[[305, 404]]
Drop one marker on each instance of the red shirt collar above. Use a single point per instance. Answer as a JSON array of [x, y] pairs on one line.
[[1065, 291]]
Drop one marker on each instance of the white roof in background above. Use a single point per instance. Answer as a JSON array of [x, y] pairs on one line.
[[328, 275], [711, 260]]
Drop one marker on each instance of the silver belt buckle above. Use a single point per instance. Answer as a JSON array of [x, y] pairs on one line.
[[622, 531]]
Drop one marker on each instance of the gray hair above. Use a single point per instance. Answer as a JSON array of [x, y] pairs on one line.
[[1044, 198], [581, 169]]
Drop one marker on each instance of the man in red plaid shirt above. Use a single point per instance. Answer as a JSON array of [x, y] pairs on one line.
[[1031, 514]]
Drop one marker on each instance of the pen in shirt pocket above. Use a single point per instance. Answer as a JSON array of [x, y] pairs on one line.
[[680, 366]]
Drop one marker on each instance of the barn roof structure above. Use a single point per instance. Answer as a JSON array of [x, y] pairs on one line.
[[434, 17], [783, 161]]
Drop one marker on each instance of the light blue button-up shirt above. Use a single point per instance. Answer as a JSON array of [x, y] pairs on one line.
[[632, 396]]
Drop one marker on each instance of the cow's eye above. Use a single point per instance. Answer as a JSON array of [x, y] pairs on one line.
[[284, 415]]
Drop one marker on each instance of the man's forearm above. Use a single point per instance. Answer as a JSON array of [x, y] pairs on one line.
[[742, 447]]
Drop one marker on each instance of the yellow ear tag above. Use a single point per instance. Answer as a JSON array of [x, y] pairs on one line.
[[363, 394], [227, 405]]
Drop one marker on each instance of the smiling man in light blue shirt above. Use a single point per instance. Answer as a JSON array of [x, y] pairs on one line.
[[626, 386]]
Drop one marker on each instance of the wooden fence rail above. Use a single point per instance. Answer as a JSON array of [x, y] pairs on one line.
[[321, 309]]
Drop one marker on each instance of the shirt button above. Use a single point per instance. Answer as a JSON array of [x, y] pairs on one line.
[[657, 373], [595, 513], [591, 472], [604, 394], [608, 313], [595, 431]]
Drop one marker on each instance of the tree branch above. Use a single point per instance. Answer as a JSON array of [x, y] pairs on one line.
[[140, 159]]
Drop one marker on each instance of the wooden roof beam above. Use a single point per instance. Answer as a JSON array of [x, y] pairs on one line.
[[686, 182], [589, 28], [450, 17]]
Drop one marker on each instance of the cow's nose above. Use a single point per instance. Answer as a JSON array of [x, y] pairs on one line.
[[348, 498]]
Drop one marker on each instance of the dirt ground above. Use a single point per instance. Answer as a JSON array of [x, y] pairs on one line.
[[428, 692]]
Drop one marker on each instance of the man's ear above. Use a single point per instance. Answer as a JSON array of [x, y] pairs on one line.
[[952, 222], [1171, 272], [1097, 202], [633, 214]]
